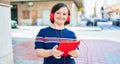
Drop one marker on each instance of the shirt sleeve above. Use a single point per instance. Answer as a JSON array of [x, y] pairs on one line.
[[39, 41]]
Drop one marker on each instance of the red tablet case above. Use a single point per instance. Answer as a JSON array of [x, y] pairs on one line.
[[66, 46]]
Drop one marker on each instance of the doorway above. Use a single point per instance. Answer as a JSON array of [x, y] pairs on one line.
[[14, 15]]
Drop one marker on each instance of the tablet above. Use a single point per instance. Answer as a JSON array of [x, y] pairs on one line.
[[68, 45]]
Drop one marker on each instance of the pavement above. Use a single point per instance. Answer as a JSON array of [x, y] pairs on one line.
[[99, 45]]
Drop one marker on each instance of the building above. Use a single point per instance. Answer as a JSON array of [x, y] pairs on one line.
[[27, 12]]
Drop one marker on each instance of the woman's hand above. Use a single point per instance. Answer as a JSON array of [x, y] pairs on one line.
[[74, 53], [56, 53]]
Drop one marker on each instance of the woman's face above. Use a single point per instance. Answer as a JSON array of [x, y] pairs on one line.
[[60, 16]]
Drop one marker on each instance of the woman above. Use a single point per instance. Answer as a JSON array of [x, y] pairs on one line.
[[48, 38]]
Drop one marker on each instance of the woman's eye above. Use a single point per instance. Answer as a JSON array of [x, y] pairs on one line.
[[64, 13], [58, 13]]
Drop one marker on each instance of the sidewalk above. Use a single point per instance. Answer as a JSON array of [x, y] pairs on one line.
[[99, 52], [24, 53]]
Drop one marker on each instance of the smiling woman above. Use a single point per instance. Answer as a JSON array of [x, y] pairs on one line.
[[48, 39]]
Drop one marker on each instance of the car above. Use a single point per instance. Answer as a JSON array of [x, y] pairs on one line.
[[13, 24]]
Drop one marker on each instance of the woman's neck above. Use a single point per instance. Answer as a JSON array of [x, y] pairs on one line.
[[57, 26]]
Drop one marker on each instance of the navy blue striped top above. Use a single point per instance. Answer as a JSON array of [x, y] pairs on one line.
[[49, 37]]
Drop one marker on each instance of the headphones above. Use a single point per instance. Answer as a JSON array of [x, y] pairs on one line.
[[52, 17]]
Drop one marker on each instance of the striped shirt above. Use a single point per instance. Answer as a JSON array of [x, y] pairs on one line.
[[49, 37]]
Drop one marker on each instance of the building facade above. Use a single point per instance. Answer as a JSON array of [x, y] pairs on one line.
[[28, 13]]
